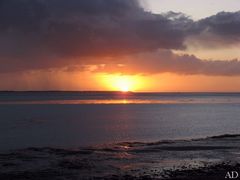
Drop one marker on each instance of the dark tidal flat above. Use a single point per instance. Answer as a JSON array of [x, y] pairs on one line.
[[209, 158], [72, 135]]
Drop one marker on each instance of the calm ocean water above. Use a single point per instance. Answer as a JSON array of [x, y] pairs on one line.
[[77, 119], [90, 135]]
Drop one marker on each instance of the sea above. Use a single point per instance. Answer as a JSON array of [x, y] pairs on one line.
[[107, 134]]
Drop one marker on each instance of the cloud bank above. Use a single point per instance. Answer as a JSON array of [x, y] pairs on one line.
[[43, 34], [163, 61]]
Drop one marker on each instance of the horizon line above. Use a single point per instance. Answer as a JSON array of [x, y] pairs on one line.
[[106, 91]]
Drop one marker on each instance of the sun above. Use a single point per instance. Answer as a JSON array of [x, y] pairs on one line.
[[124, 89], [123, 83]]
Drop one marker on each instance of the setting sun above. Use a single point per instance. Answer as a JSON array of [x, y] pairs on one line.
[[122, 83]]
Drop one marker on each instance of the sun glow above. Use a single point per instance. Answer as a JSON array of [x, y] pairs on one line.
[[122, 83]]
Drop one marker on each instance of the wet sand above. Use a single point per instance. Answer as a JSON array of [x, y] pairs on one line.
[[208, 158], [214, 172]]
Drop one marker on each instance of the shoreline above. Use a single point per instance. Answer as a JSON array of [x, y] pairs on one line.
[[213, 172], [207, 158]]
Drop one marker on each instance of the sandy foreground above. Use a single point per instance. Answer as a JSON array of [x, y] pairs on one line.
[[208, 158]]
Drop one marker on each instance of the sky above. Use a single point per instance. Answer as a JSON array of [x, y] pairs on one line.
[[126, 45], [193, 8]]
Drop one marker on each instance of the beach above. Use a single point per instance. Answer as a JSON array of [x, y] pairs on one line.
[[211, 158]]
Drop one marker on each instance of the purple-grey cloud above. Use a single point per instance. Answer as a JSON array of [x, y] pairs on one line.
[[163, 61], [43, 34]]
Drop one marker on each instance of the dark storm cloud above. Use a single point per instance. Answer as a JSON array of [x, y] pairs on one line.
[[48, 33], [42, 34], [224, 24], [221, 29]]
